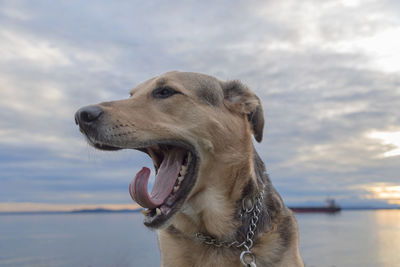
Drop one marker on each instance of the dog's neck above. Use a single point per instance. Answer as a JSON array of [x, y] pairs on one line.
[[225, 204], [249, 212], [219, 231]]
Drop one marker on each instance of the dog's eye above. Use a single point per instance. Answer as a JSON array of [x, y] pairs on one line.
[[164, 92]]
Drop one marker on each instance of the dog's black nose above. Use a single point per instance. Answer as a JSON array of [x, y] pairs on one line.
[[87, 115]]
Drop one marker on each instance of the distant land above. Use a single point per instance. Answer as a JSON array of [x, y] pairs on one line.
[[69, 212], [103, 210], [92, 211]]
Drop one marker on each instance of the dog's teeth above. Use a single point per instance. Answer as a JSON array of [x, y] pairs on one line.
[[183, 170], [170, 201], [145, 212], [180, 179], [176, 188], [158, 211]]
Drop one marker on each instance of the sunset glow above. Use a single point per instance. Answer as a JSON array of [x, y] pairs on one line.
[[383, 191]]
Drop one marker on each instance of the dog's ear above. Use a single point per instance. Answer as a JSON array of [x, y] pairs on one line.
[[239, 98]]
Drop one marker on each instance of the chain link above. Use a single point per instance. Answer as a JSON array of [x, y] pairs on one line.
[[206, 239], [247, 257]]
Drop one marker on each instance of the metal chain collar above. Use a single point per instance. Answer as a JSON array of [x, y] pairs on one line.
[[247, 257]]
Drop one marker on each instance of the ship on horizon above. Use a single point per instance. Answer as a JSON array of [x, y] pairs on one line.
[[330, 207]]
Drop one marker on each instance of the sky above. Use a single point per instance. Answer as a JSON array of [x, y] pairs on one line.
[[327, 72]]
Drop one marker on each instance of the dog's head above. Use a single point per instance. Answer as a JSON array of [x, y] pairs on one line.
[[185, 122]]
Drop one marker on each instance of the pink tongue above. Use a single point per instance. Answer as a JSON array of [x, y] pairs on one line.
[[164, 183]]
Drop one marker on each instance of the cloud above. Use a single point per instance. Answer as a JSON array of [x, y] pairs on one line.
[[388, 138], [17, 47]]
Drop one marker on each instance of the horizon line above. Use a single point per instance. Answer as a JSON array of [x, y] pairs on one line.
[[112, 208]]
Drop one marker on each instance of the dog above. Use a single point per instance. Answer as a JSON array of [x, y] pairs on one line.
[[212, 202]]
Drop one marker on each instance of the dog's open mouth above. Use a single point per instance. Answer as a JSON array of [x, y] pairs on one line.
[[175, 166], [172, 182]]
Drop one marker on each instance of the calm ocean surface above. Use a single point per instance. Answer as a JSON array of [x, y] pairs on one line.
[[350, 238]]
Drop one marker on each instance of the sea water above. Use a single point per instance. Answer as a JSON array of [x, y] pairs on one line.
[[349, 238]]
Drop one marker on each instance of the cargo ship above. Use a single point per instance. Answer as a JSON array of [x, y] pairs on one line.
[[330, 207]]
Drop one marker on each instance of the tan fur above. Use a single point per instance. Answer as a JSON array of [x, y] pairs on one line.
[[221, 134]]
